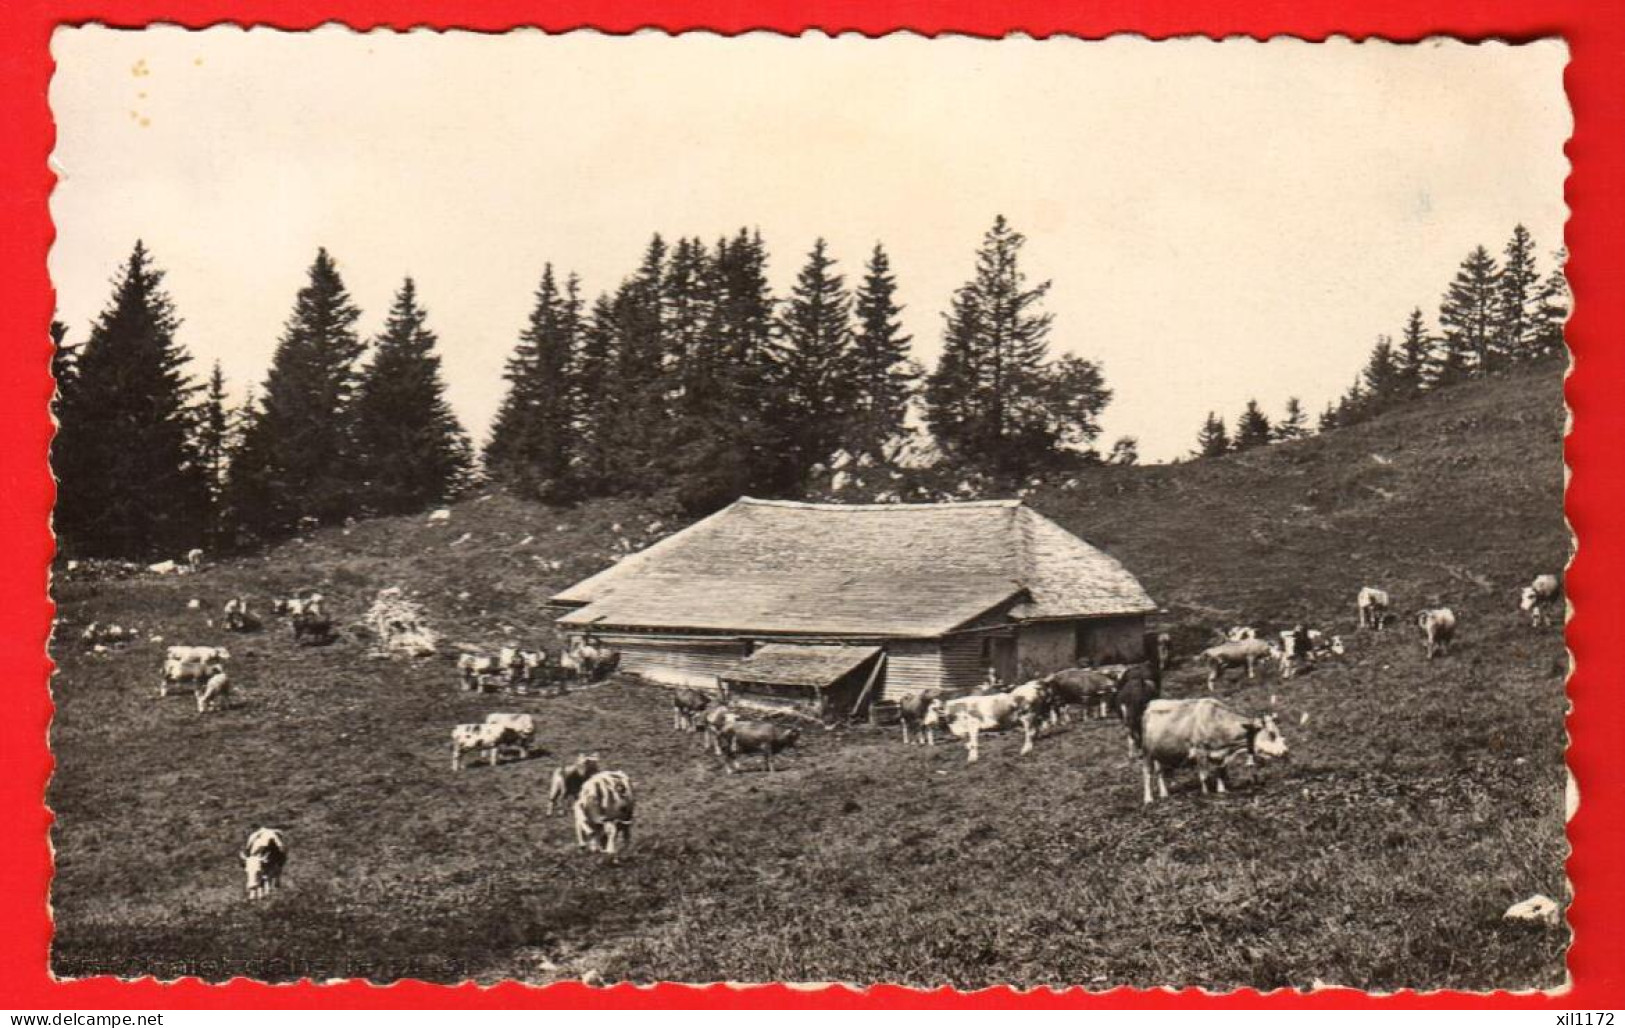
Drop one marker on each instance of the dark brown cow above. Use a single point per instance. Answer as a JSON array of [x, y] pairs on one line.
[[762, 737], [568, 780], [911, 710], [1082, 687], [687, 707]]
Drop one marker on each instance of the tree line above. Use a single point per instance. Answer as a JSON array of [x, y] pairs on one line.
[[1494, 314], [691, 378]]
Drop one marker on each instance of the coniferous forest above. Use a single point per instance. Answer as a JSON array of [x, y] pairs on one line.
[[690, 378]]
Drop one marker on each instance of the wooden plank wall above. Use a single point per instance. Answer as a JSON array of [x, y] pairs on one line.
[[695, 665]]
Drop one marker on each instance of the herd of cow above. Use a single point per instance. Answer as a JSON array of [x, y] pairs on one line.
[[1201, 733]]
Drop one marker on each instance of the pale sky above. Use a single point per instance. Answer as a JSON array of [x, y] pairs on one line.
[[1221, 220]]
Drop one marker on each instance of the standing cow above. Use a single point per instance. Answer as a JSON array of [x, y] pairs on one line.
[[568, 780], [263, 858], [911, 710], [603, 814], [1088, 688], [1247, 653], [969, 716], [1372, 605], [1438, 628], [687, 708], [745, 737], [1538, 597], [1203, 733], [191, 667]]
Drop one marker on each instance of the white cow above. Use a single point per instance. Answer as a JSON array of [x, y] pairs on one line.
[[1438, 629], [214, 693], [603, 814], [263, 857], [1306, 644], [969, 716], [1538, 597], [521, 729], [191, 666], [1372, 605], [1241, 633], [491, 736], [1203, 733], [1246, 653]]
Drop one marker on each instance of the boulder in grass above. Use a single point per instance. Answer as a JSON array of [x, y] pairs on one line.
[[1537, 909], [399, 627], [443, 514]]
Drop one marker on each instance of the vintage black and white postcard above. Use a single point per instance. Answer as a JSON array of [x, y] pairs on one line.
[[681, 508]]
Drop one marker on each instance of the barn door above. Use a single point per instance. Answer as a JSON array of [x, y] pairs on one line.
[[1003, 658]]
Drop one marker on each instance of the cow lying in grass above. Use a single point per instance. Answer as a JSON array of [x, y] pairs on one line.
[[568, 780], [603, 814], [1205, 734], [263, 858]]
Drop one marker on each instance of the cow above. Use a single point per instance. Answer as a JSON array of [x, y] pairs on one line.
[[1438, 628], [312, 629], [1372, 605], [567, 781], [263, 858], [1038, 699], [1246, 653], [742, 737], [714, 722], [521, 729], [1089, 688], [603, 814], [191, 667], [1537, 597], [194, 559], [1240, 633], [911, 711], [213, 694], [306, 601], [478, 670], [969, 716], [520, 666], [1139, 686], [1306, 644], [239, 618], [1205, 733], [590, 660], [687, 707], [490, 736]]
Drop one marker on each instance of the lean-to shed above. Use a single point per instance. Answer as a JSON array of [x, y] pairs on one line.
[[936, 595]]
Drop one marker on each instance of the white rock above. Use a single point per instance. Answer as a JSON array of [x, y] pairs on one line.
[[163, 567], [193, 604], [527, 540], [73, 565], [156, 639], [460, 540], [443, 514], [1538, 909]]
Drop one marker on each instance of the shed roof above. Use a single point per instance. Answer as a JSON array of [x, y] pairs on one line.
[[788, 664], [914, 570]]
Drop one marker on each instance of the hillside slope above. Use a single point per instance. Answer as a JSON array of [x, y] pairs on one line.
[[1423, 797]]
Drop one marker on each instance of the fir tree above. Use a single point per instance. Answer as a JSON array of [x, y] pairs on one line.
[[1468, 316], [1294, 424], [64, 365], [1552, 306], [1517, 298], [533, 448], [884, 375], [411, 449], [995, 402], [129, 481], [1253, 428], [1213, 440], [299, 457], [1414, 361], [815, 365], [1383, 379], [213, 448], [1125, 451], [593, 396], [1328, 418]]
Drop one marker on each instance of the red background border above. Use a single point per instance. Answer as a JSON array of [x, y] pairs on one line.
[[1595, 236]]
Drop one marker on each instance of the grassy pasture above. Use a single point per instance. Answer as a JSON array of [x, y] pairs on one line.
[[1422, 798]]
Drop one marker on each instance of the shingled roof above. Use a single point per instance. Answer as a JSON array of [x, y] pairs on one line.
[[913, 570]]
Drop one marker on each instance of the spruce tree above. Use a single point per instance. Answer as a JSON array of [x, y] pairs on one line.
[[1125, 451], [593, 397], [1518, 298], [1294, 424], [299, 456], [1383, 378], [1552, 306], [1468, 317], [1213, 440], [995, 402], [1414, 361], [411, 450], [1253, 428], [532, 448], [884, 376], [213, 448], [1327, 419], [815, 362], [128, 479], [64, 365]]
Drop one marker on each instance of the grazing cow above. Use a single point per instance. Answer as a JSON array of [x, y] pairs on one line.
[[1538, 597], [764, 737], [1438, 629], [687, 707], [521, 729], [1089, 688], [603, 814], [1246, 653], [911, 710], [311, 629], [568, 780], [714, 722], [969, 716], [1372, 605], [489, 736], [1140, 685], [214, 693], [263, 857], [191, 667], [1204, 733]]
